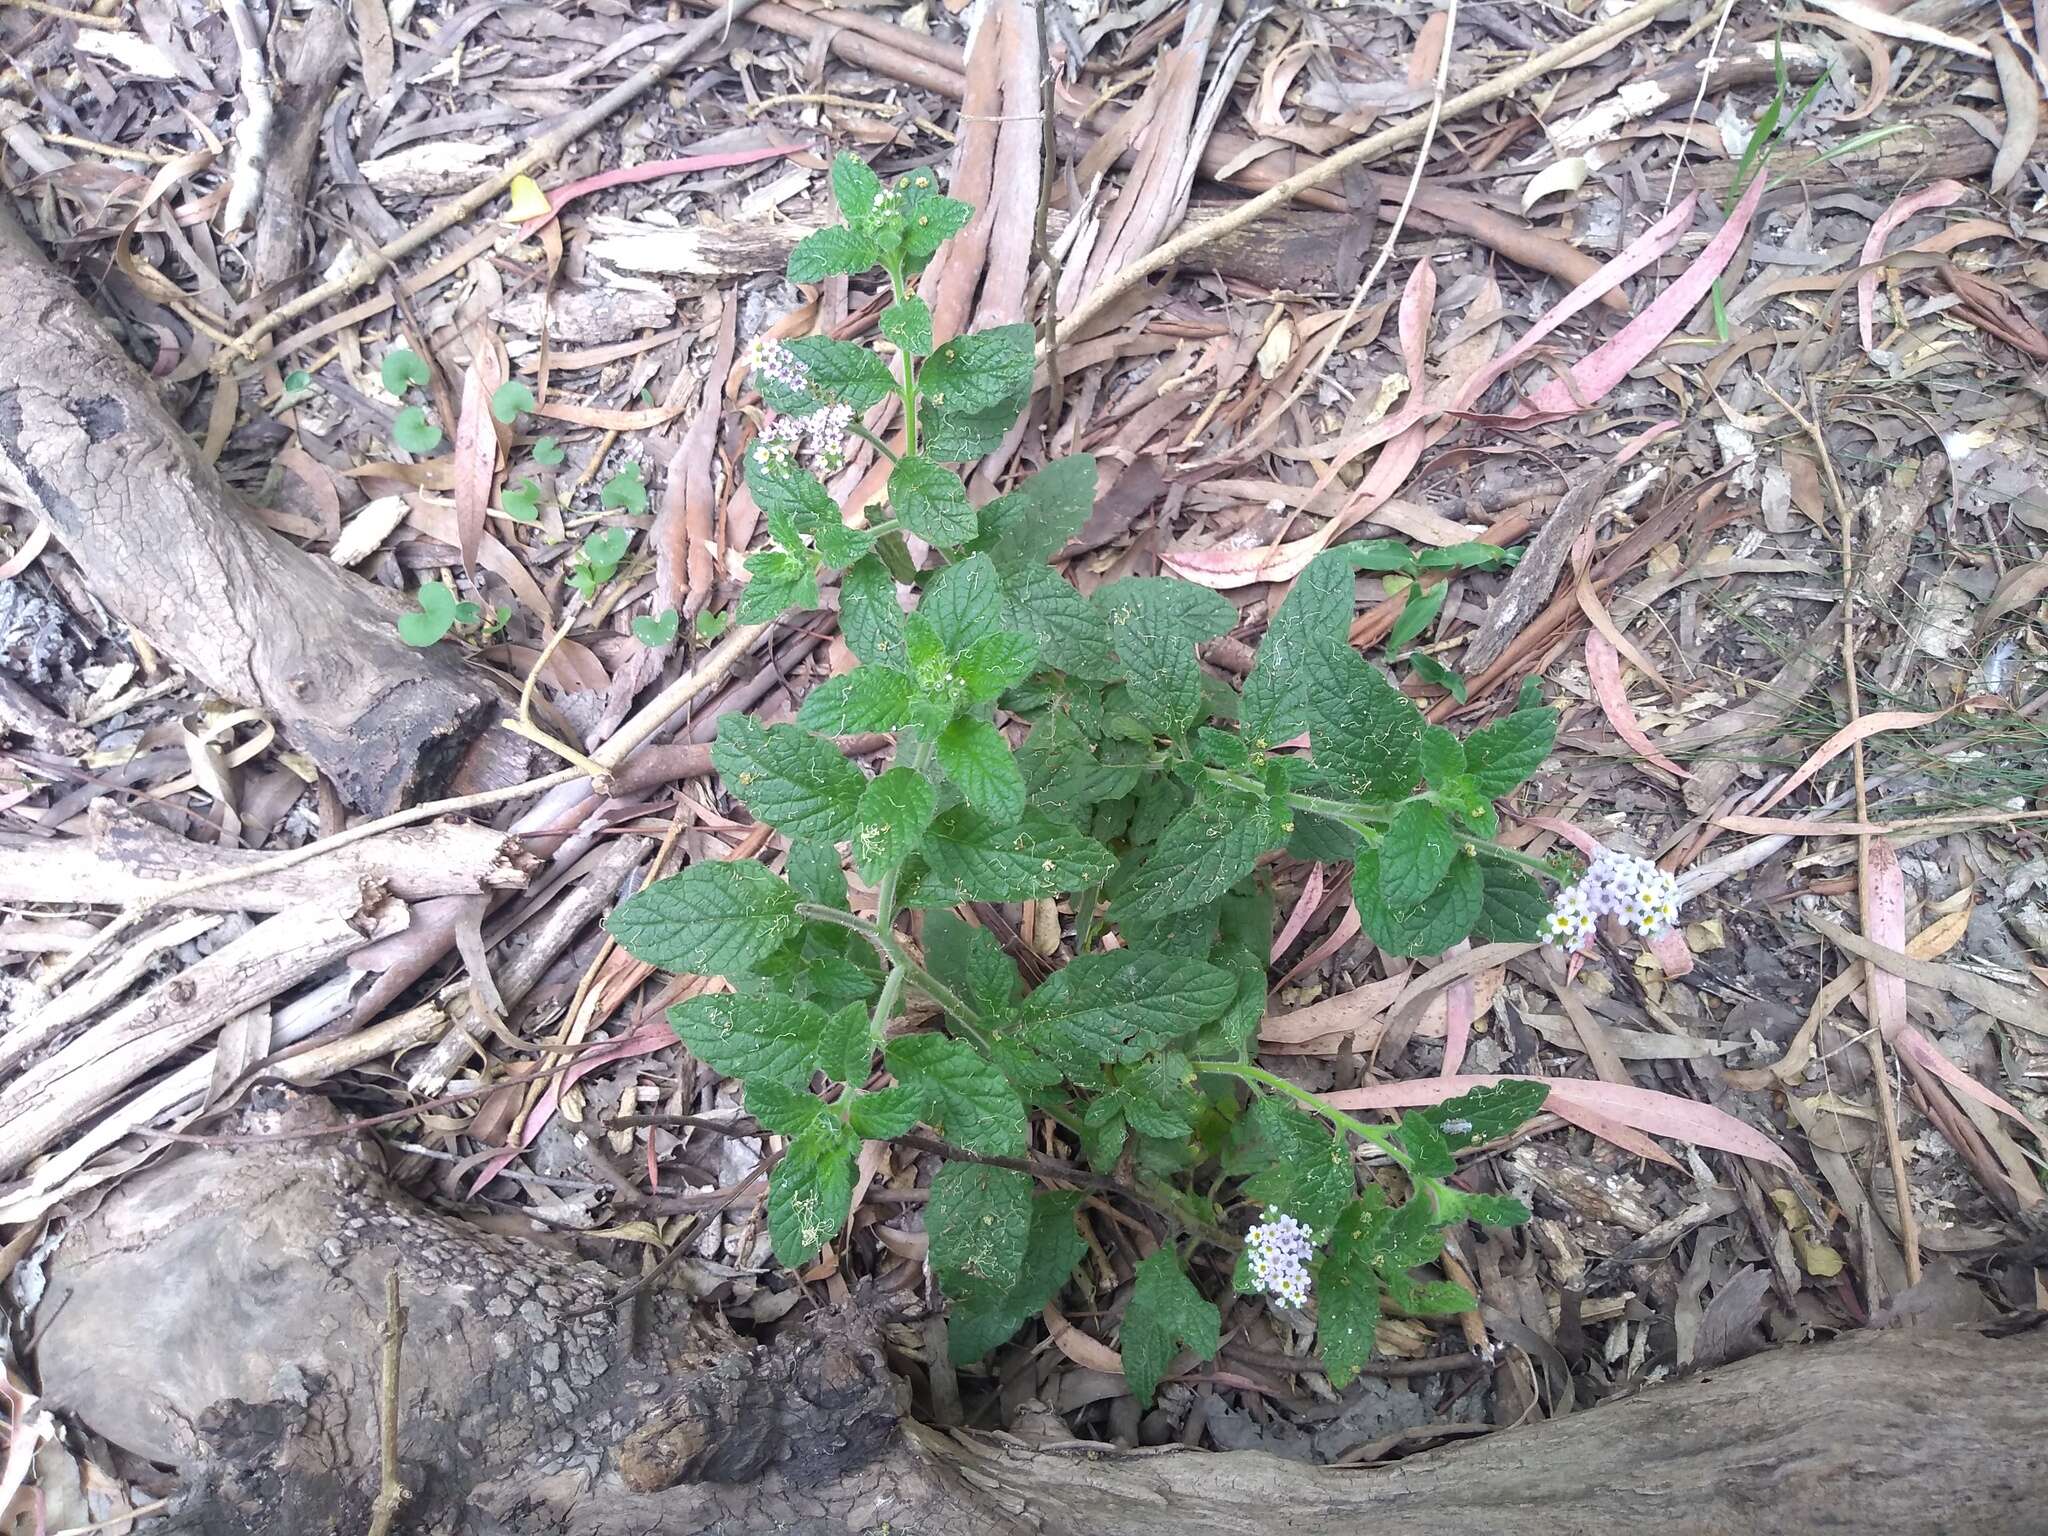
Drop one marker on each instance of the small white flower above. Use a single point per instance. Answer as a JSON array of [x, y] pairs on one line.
[[772, 360], [1618, 885], [1278, 1250]]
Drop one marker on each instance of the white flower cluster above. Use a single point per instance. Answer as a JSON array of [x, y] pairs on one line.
[[1618, 885], [772, 360], [820, 437], [1278, 1250]]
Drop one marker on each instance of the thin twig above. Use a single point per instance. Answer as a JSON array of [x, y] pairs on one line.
[[1047, 172], [1161, 257], [390, 1492], [259, 115]]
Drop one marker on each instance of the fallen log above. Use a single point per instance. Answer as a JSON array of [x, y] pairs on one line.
[[87, 445], [222, 1313]]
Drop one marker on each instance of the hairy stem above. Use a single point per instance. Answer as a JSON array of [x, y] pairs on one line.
[[1378, 1136]]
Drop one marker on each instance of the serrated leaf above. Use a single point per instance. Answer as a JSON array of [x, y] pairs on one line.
[[960, 1093], [1442, 756], [778, 582], [1071, 631], [1033, 523], [995, 662], [1203, 852], [719, 918], [979, 1223], [1347, 1290], [795, 781], [870, 618], [1165, 1315], [783, 1110], [955, 435], [1369, 738], [934, 221], [1491, 1210], [1514, 906], [962, 603], [972, 962], [842, 371], [827, 252], [1410, 1235], [1297, 1164], [971, 858], [1487, 1113], [1117, 1006], [1429, 1298], [785, 491], [1445, 916], [847, 1051], [895, 808], [1155, 624], [979, 371], [931, 501], [978, 1318], [977, 758], [766, 1037], [810, 1192], [1501, 756], [1428, 1152], [868, 698], [1416, 854], [884, 1115], [907, 324], [855, 187], [1305, 662]]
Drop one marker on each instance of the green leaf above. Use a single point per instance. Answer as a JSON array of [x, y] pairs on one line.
[[842, 371], [826, 252], [1416, 854], [1119, 1005], [979, 371], [895, 808], [931, 501], [509, 399], [1166, 1314], [779, 582], [1203, 852], [1155, 623], [766, 1037], [625, 490], [1347, 1291], [1514, 906], [962, 603], [522, 502], [402, 369], [1468, 556], [1305, 666], [1501, 756], [847, 1051], [969, 857], [971, 961], [883, 1115], [1492, 1210], [1409, 1236], [956, 435], [603, 550], [1441, 756], [1071, 631], [979, 1223], [866, 699], [784, 491], [978, 1318], [547, 452], [796, 782], [720, 918], [657, 630], [1445, 916], [411, 431], [995, 662], [1379, 555], [1297, 1164], [907, 325], [810, 1192], [934, 221], [1426, 1147], [870, 618], [1417, 614], [1436, 674], [783, 1110], [1369, 741], [977, 758], [298, 381], [1033, 523], [960, 1093], [854, 187], [1429, 1298], [438, 612], [1487, 1113]]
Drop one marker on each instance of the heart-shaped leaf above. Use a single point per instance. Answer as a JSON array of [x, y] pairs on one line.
[[605, 549], [411, 431], [625, 489], [522, 501], [509, 399], [547, 453], [438, 613], [402, 369], [657, 631]]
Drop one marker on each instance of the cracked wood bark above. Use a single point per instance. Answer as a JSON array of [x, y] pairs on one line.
[[87, 445], [221, 1313]]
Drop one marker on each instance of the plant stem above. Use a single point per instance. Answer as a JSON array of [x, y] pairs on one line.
[[887, 946], [1379, 1137], [873, 441]]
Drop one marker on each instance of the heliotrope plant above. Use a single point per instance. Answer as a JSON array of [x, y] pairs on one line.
[[1144, 792]]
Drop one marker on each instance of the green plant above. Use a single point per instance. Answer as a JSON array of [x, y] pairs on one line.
[[438, 612], [625, 490], [522, 501], [509, 399], [657, 629], [410, 428], [547, 453], [597, 562], [1772, 128], [1404, 569], [1146, 793]]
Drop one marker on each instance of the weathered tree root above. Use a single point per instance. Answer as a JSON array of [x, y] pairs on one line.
[[222, 1313], [86, 443]]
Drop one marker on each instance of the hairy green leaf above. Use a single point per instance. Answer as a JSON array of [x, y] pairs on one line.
[[767, 1037], [1514, 905], [1501, 756], [795, 781], [865, 699], [784, 1110], [1487, 1113], [827, 252], [931, 501], [1155, 623], [870, 618], [979, 371], [1071, 630], [1297, 1164], [1203, 852], [847, 1050], [719, 918], [1347, 1293], [810, 1192], [884, 1115], [1166, 1314], [968, 857], [1119, 1005], [779, 582], [972, 962], [977, 758], [979, 1223], [1416, 854], [962, 603], [907, 325], [855, 187], [1445, 916], [843, 371], [895, 808], [978, 1317], [1033, 523], [960, 1093], [1370, 738]]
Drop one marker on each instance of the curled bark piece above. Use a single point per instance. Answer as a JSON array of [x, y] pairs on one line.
[[222, 1312], [85, 443]]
